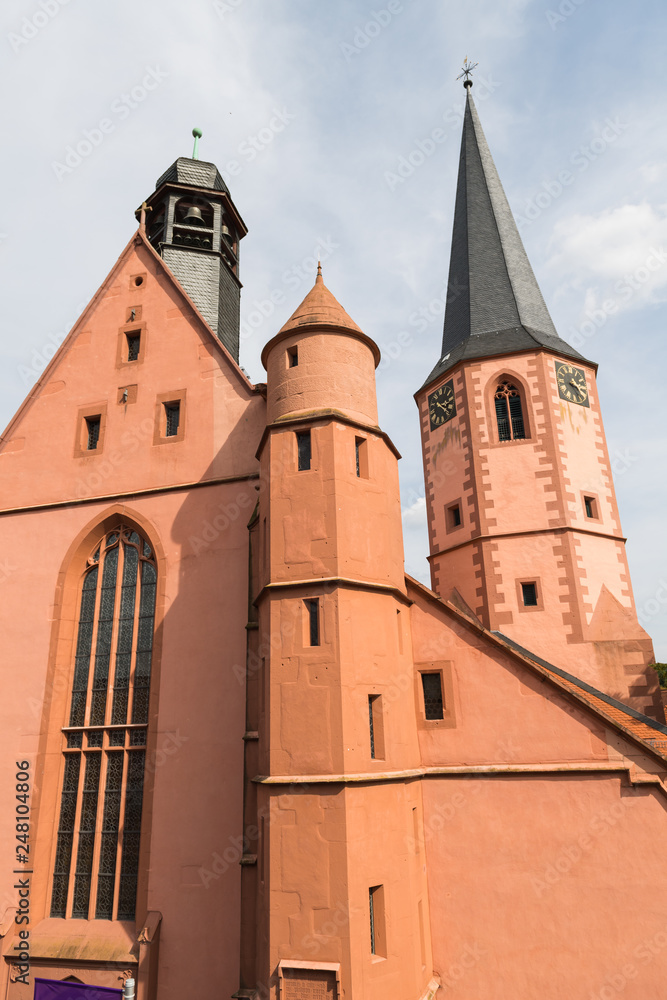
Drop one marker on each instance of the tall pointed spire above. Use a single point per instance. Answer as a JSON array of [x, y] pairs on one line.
[[494, 304]]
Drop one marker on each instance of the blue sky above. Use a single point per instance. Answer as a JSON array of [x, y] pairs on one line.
[[317, 104]]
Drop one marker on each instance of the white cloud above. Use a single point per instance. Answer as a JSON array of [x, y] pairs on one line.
[[415, 514], [618, 256]]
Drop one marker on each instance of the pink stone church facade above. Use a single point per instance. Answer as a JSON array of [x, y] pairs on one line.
[[248, 756]]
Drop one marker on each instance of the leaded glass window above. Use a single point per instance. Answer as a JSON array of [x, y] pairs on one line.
[[97, 851], [509, 412]]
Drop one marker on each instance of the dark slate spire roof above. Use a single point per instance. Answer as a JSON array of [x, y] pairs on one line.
[[494, 304]]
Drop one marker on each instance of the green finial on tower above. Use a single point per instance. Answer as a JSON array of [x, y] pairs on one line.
[[197, 133]]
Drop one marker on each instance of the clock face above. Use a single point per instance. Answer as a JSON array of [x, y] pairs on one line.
[[572, 383], [442, 405]]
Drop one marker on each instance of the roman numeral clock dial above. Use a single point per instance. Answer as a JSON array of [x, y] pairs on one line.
[[442, 405], [572, 383]]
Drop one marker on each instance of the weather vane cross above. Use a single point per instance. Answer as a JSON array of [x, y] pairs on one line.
[[467, 72]]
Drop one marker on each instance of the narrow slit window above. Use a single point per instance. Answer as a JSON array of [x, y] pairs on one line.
[[361, 457], [93, 428], [433, 701], [292, 357], [313, 609], [377, 920], [304, 450], [375, 726], [172, 418], [529, 594], [371, 907], [509, 412], [133, 346]]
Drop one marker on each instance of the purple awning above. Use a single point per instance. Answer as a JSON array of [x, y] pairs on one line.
[[54, 989]]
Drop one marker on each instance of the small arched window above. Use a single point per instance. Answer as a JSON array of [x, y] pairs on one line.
[[509, 412], [104, 741]]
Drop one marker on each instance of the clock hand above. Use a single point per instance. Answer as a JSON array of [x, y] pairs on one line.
[[577, 387]]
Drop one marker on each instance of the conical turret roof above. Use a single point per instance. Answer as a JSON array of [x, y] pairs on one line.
[[494, 304], [320, 308]]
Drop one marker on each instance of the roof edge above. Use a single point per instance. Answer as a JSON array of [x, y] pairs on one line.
[[549, 672]]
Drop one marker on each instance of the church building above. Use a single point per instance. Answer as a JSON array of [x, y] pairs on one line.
[[244, 755]]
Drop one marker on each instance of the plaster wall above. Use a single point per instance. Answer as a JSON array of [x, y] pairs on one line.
[[564, 869], [503, 714]]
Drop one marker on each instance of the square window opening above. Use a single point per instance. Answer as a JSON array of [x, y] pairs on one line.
[[172, 418], [303, 450], [93, 429], [313, 609], [529, 594], [454, 516], [292, 357], [133, 345], [434, 707]]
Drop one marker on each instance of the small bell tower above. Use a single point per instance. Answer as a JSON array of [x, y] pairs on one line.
[[192, 222]]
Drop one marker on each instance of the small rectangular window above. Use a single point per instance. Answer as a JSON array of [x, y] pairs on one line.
[[590, 503], [433, 703], [377, 920], [376, 726], [93, 427], [133, 345], [313, 609], [453, 515], [292, 357], [529, 593], [172, 418], [303, 448]]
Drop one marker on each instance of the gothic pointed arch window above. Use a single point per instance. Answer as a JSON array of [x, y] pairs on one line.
[[509, 410], [104, 739]]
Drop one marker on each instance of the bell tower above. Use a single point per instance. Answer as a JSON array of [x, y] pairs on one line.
[[522, 513], [195, 227]]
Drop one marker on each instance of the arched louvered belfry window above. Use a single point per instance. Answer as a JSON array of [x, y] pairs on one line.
[[104, 741], [509, 412]]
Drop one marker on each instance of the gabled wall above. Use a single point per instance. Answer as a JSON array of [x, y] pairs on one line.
[[191, 496]]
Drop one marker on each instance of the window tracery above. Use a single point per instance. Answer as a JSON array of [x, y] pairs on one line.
[[509, 412], [97, 853]]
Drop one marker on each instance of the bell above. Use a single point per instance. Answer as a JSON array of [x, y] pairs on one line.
[[194, 217], [226, 232]]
